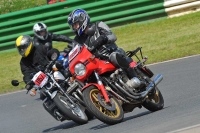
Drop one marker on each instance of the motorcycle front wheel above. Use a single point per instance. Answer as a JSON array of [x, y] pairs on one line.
[[75, 114], [155, 101], [90, 96]]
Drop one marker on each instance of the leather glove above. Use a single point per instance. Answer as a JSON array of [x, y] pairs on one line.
[[72, 45], [102, 39], [67, 50], [29, 85]]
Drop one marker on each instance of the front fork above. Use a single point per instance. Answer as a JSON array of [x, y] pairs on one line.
[[102, 88]]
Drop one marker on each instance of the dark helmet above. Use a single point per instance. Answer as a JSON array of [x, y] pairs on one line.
[[24, 45], [40, 30], [79, 17]]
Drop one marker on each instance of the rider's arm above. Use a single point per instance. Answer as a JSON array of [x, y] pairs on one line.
[[26, 70], [63, 38], [36, 41], [104, 30], [106, 36]]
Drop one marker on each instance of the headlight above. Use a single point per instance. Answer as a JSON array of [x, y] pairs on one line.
[[80, 69]]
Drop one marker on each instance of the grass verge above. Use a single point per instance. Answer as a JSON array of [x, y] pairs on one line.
[[8, 6]]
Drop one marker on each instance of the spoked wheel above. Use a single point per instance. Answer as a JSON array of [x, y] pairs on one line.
[[110, 113], [75, 114], [155, 101]]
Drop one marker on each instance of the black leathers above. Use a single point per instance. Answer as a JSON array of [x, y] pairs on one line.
[[51, 37], [35, 61], [103, 36]]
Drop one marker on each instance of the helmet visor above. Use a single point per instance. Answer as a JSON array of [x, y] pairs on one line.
[[76, 26], [42, 32], [24, 45]]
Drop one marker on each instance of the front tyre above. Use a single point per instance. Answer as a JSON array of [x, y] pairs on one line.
[[155, 101], [77, 115], [90, 96]]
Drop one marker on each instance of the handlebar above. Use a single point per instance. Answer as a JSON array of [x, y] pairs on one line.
[[102, 52]]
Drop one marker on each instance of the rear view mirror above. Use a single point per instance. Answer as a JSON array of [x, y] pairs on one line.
[[15, 82]]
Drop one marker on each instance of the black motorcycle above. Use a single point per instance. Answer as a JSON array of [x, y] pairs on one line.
[[56, 100]]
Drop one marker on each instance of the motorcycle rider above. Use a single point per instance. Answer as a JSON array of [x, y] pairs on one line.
[[79, 22], [43, 37], [34, 57]]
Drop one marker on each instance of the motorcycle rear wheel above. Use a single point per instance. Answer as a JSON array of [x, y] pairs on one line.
[[63, 106], [100, 112], [154, 102]]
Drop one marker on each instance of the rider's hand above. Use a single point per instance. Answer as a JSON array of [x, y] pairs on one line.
[[102, 39], [29, 85], [98, 42], [72, 45], [67, 50]]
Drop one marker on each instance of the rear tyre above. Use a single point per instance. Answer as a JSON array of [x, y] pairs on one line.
[[155, 101], [63, 105], [100, 112]]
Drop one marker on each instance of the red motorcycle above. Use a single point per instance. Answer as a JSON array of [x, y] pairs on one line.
[[106, 89]]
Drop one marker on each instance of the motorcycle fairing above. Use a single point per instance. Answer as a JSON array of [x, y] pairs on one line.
[[101, 66], [74, 52], [105, 66]]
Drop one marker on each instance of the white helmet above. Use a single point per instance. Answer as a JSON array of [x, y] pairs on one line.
[[40, 30]]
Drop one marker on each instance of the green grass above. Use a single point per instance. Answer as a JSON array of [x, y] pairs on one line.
[[8, 6], [161, 40]]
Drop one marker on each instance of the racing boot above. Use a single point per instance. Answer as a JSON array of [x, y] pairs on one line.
[[130, 72], [133, 80]]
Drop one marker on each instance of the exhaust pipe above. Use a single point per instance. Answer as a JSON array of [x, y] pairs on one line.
[[155, 82]]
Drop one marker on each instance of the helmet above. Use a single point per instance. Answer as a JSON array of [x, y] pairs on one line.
[[78, 20], [24, 45], [40, 30]]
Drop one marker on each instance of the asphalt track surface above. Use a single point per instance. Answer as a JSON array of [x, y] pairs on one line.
[[21, 113]]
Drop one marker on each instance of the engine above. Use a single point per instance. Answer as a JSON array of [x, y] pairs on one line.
[[133, 83]]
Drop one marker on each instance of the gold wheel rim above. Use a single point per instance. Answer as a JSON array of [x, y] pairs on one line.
[[95, 101]]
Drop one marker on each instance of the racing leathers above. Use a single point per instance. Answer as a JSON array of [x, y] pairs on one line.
[[104, 36], [35, 61]]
